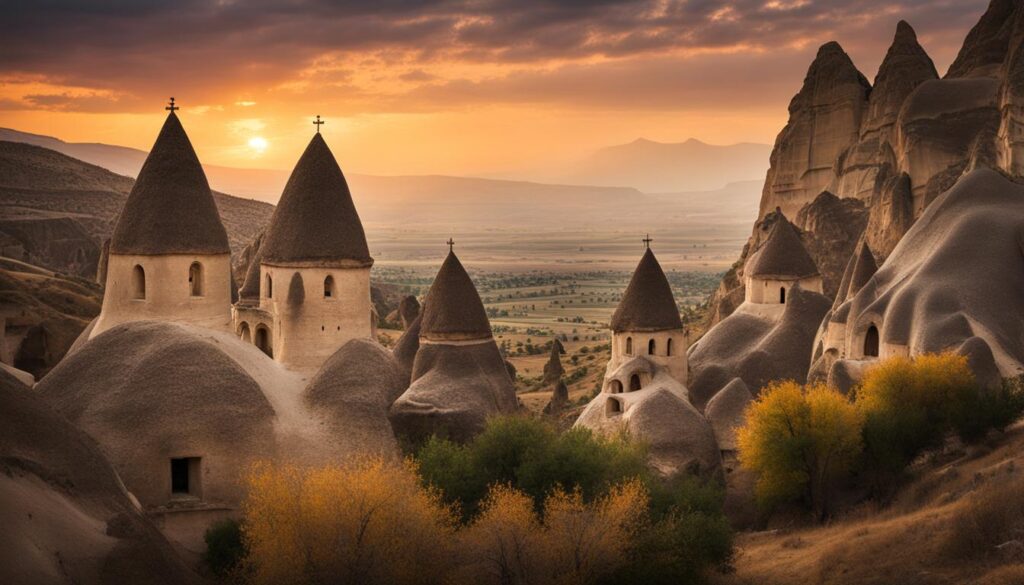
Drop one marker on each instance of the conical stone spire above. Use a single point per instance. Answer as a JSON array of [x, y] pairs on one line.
[[986, 46], [905, 66], [453, 309], [647, 304], [315, 222], [170, 209], [783, 255]]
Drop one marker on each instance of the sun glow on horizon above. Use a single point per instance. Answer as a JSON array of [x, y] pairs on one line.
[[258, 144]]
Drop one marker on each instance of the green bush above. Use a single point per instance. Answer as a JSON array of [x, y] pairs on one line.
[[225, 548], [687, 530], [530, 455], [689, 534]]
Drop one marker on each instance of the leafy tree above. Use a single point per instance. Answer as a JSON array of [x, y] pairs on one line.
[[799, 441], [911, 405]]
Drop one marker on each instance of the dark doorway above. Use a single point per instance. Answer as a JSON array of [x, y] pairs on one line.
[[871, 342], [782, 295], [262, 340], [634, 382]]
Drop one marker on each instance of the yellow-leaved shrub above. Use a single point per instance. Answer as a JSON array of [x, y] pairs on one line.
[[367, 522], [799, 440]]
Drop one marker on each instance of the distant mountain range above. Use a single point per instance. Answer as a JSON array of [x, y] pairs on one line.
[[642, 165], [654, 167]]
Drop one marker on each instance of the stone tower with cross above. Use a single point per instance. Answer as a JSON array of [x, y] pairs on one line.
[[647, 324], [314, 269], [169, 256]]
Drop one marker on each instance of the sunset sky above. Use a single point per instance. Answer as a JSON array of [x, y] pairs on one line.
[[468, 87]]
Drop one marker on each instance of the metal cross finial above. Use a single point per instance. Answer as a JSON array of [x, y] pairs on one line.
[[318, 123], [451, 245], [647, 241], [172, 107]]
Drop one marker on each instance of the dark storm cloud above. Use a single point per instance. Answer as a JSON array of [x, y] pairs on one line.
[[210, 48]]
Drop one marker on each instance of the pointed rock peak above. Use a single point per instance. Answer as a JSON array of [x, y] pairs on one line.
[[904, 33], [170, 209], [453, 309], [316, 222], [986, 46], [647, 304], [863, 270], [830, 48], [783, 255]]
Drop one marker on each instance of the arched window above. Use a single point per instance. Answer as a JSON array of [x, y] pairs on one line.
[[871, 342], [782, 295], [651, 346], [634, 382], [262, 340], [138, 282], [270, 287], [329, 292], [615, 387], [244, 333], [612, 407], [195, 279], [629, 346], [668, 347]]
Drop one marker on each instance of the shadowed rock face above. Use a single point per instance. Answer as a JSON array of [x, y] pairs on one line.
[[755, 347], [66, 516], [454, 390], [954, 278], [725, 412], [355, 388]]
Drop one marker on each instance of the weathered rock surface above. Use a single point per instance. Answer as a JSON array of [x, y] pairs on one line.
[[916, 136], [355, 388], [824, 120], [66, 515], [725, 412], [454, 390], [43, 313], [953, 278], [758, 344]]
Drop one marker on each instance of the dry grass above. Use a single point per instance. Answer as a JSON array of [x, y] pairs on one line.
[[943, 529]]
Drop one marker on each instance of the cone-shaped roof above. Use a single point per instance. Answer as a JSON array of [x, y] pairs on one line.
[[170, 209], [864, 268], [647, 304], [315, 222], [452, 309], [783, 255]]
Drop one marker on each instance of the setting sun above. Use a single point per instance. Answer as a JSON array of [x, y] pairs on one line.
[[258, 144]]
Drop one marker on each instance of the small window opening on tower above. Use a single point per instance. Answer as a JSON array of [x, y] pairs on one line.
[[782, 295], [651, 347], [329, 292], [629, 346], [668, 348], [138, 282], [195, 279], [270, 287], [615, 387]]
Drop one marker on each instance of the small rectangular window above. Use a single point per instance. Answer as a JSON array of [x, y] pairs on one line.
[[185, 475]]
